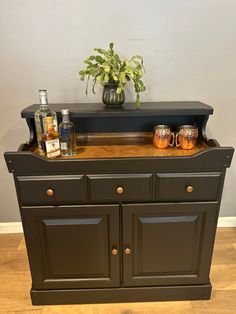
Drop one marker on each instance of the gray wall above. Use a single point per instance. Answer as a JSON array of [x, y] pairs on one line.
[[189, 48]]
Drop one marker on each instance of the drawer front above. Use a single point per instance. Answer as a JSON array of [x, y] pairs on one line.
[[189, 186], [127, 187], [51, 190]]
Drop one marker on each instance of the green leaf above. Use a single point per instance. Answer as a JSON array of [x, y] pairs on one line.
[[123, 77], [119, 90], [91, 58], [99, 59], [115, 77], [138, 57], [117, 59], [102, 51], [111, 45]]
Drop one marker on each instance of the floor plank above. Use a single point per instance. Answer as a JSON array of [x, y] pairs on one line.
[[124, 308], [15, 283], [221, 302]]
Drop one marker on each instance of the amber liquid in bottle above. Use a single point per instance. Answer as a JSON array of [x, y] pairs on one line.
[[51, 139]]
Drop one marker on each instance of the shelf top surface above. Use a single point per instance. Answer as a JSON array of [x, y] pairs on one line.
[[132, 150], [163, 108]]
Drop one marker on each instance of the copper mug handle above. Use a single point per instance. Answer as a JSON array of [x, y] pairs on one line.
[[173, 139], [176, 139]]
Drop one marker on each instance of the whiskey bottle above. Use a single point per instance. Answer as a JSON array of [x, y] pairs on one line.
[[50, 139], [39, 117], [67, 135]]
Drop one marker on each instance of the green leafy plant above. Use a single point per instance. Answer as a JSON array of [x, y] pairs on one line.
[[106, 67]]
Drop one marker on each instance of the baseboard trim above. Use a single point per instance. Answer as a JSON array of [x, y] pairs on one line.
[[11, 227], [227, 221], [16, 227]]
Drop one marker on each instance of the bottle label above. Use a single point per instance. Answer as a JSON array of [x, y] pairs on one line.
[[65, 134], [54, 125], [64, 146], [53, 148]]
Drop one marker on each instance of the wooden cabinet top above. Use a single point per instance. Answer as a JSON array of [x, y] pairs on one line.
[[164, 108]]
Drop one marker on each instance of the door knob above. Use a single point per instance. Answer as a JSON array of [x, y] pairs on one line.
[[127, 251], [120, 190], [50, 192], [114, 251], [189, 189]]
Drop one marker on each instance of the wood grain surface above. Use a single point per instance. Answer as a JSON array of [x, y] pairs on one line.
[[126, 146], [16, 283]]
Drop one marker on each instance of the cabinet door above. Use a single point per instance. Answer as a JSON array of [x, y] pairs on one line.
[[168, 244], [71, 247]]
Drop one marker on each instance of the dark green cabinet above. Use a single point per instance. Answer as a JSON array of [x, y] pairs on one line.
[[123, 223], [71, 247], [169, 244]]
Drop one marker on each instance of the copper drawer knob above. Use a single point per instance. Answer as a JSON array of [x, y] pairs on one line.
[[120, 190], [189, 189], [127, 251], [50, 192], [114, 251]]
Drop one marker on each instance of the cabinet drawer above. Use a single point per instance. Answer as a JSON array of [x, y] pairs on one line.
[[189, 186], [127, 187], [51, 190]]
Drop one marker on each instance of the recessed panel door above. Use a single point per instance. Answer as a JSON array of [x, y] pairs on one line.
[[168, 244], [73, 247]]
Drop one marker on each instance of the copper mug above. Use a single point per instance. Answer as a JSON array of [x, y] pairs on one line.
[[162, 136], [186, 137]]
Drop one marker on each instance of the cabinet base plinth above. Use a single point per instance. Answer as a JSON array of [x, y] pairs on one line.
[[115, 295]]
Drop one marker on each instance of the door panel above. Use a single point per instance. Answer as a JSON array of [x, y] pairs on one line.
[[71, 247], [75, 247], [169, 243]]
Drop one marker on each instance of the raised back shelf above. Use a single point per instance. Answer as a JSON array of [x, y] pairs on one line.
[[164, 108], [95, 118]]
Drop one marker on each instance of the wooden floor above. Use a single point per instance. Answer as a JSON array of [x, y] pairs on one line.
[[15, 284]]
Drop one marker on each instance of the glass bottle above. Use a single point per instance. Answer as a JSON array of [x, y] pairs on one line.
[[67, 135], [50, 139], [39, 116]]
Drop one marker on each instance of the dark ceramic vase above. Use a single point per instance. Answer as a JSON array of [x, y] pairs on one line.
[[110, 97]]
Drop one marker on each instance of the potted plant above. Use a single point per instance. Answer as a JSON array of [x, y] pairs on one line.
[[112, 73]]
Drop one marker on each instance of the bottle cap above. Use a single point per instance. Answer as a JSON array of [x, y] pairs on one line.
[[42, 92], [65, 111], [43, 97]]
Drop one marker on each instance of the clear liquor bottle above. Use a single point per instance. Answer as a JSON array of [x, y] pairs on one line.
[[51, 139], [67, 135], [39, 117]]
